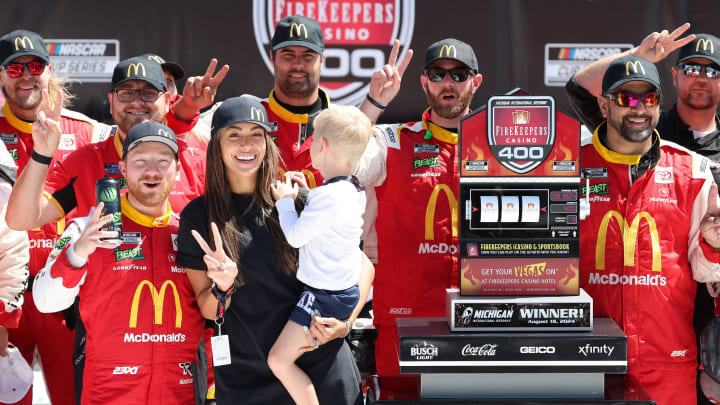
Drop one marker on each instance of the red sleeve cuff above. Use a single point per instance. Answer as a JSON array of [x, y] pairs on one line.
[[710, 253], [10, 319], [70, 275], [179, 126]]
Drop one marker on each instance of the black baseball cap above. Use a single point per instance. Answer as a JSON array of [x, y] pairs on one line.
[[703, 46], [175, 69], [237, 110], [20, 43], [150, 131], [298, 30], [139, 68], [451, 48], [630, 68]]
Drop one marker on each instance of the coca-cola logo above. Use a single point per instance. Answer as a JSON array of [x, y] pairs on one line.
[[484, 350]]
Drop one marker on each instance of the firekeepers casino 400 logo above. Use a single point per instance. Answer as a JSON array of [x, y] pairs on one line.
[[358, 38]]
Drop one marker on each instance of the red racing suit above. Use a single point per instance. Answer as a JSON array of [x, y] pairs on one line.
[[71, 183], [290, 127], [641, 254], [417, 184], [139, 309], [47, 332]]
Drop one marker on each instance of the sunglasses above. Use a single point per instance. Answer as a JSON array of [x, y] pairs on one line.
[[711, 72], [628, 99], [16, 69], [128, 95], [438, 74]]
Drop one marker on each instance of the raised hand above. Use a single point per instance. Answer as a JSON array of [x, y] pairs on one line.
[[658, 45], [710, 225], [199, 91], [46, 129], [93, 234], [385, 82], [220, 268]]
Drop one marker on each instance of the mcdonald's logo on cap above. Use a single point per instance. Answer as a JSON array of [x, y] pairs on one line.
[[257, 114], [158, 299], [164, 133], [22, 40], [135, 67], [636, 66], [445, 51], [156, 59], [432, 205], [705, 43], [629, 235], [299, 28]]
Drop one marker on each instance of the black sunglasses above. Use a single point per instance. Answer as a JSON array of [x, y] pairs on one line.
[[438, 74]]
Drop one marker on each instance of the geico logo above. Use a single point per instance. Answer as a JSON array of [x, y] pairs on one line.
[[537, 349], [42, 243], [439, 248], [358, 63], [125, 370], [615, 279], [629, 234], [81, 49], [154, 338]]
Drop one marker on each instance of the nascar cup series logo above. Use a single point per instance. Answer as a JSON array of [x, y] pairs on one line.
[[358, 38]]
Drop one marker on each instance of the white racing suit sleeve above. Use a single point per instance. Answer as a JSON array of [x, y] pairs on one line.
[[57, 284], [705, 270], [14, 257]]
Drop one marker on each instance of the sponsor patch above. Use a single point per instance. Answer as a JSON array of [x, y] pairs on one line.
[[9, 139], [425, 148]]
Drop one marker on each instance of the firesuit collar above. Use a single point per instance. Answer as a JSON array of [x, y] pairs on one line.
[[17, 123], [436, 131], [640, 163], [21, 43], [287, 115], [143, 220]]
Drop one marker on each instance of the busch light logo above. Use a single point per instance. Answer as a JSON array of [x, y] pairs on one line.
[[424, 351], [358, 38]]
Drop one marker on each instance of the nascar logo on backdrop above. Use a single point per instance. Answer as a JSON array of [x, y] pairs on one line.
[[86, 60], [358, 38], [564, 60]]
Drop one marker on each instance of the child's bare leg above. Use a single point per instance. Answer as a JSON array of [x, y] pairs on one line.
[[281, 360]]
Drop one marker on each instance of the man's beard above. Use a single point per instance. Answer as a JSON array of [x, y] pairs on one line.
[[302, 89], [29, 103], [634, 134], [150, 199], [462, 102], [698, 101]]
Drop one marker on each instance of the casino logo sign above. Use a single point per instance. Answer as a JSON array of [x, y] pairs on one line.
[[358, 38]]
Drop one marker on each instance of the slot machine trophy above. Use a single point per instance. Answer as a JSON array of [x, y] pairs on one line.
[[519, 327]]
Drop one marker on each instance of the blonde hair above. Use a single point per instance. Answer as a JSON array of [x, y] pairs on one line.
[[346, 129], [60, 83]]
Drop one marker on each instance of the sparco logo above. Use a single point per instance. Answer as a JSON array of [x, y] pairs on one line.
[[484, 350], [424, 351], [357, 36]]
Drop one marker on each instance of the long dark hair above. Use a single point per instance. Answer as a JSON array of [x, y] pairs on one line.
[[218, 204]]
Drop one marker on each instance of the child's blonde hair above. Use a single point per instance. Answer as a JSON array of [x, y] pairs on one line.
[[346, 129]]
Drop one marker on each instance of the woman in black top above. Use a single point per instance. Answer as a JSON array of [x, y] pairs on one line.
[[256, 266]]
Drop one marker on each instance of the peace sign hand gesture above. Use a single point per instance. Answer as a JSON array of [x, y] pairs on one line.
[[199, 91], [221, 269], [385, 82], [46, 130], [658, 45]]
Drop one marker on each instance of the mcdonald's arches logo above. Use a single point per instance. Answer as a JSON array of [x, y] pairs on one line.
[[432, 205], [445, 51], [164, 133], [705, 43], [158, 299], [135, 67], [22, 40], [629, 235], [636, 67], [156, 59], [298, 28], [257, 114]]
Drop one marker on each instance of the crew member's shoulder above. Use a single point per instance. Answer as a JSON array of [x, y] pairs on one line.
[[678, 156], [392, 132]]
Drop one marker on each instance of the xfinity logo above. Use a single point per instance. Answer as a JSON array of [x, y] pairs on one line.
[[425, 351], [537, 349], [484, 350], [589, 349]]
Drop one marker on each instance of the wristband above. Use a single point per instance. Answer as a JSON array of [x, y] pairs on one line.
[[375, 103], [42, 159], [347, 323], [222, 297]]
